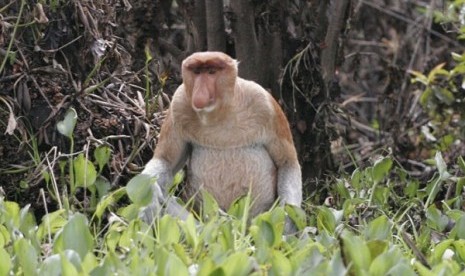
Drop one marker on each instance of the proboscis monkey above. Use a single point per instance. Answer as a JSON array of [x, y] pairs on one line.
[[232, 135]]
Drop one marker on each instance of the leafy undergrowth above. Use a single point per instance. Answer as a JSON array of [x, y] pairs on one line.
[[377, 221]]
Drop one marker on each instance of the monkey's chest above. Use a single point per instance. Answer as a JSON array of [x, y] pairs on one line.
[[229, 173]]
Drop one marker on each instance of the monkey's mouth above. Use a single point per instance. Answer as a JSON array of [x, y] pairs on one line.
[[209, 108]]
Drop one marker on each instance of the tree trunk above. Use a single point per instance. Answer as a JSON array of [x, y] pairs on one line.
[[245, 40], [216, 37], [196, 26]]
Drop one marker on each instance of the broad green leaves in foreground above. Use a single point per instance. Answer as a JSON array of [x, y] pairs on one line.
[[379, 222]]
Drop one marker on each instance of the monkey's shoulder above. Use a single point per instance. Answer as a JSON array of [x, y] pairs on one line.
[[253, 95]]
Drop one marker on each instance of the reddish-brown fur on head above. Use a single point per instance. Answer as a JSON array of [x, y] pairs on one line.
[[205, 75]]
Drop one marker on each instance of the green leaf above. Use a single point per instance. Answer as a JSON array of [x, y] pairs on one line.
[[377, 247], [51, 223], [129, 212], [435, 219], [264, 235], [418, 77], [102, 156], [342, 190], [84, 171], [441, 165], [326, 220], [209, 205], [439, 249], [355, 251], [444, 95], [169, 264], [178, 178], [236, 264], [139, 189], [190, 231], [103, 186], [76, 235], [461, 163], [5, 262], [12, 212], [27, 256], [51, 266], [437, 71], [297, 215], [5, 237], [425, 97], [169, 230], [67, 263], [280, 265], [66, 127], [459, 228], [108, 201], [459, 246], [411, 189], [381, 168], [356, 179], [378, 229], [237, 208]]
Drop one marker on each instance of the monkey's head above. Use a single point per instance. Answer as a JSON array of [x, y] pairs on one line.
[[209, 79]]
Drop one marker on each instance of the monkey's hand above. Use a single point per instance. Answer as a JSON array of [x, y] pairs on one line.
[[162, 205], [154, 209]]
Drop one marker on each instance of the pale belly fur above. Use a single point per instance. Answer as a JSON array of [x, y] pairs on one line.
[[229, 173]]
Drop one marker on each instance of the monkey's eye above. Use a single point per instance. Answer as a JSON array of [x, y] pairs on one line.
[[211, 71], [196, 71]]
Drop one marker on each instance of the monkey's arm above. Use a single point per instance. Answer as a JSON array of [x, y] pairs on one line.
[[169, 157], [282, 151]]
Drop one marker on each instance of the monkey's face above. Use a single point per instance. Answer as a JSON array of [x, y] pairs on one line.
[[209, 79]]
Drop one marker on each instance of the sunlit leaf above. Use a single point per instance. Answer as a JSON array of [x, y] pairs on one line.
[[459, 228], [438, 250], [461, 163], [356, 179], [418, 77], [326, 220], [297, 215], [378, 229], [51, 265], [108, 200], [237, 264], [441, 165], [169, 230], [436, 219], [51, 223], [459, 246], [66, 127], [27, 256], [139, 189], [67, 265], [169, 264], [356, 253], [5, 262], [102, 156], [381, 168], [84, 171], [280, 265], [76, 235]]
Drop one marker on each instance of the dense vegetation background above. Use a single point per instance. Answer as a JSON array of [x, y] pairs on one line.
[[374, 92]]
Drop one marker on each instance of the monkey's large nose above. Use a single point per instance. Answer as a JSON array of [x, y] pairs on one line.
[[202, 99]]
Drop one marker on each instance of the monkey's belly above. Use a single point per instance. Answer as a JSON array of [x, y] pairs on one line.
[[229, 173]]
